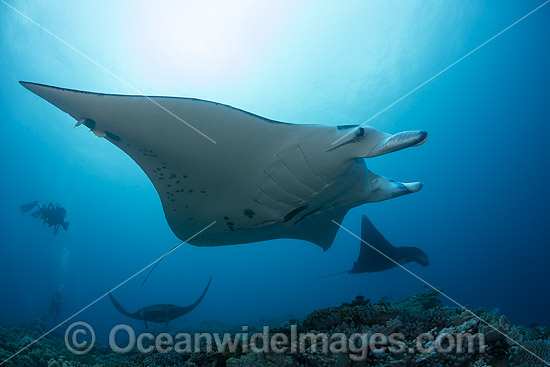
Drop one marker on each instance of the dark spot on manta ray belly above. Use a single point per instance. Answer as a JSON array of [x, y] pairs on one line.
[[112, 136], [230, 225], [345, 127], [249, 213], [89, 123]]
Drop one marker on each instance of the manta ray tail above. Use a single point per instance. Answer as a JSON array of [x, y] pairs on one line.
[[25, 208], [120, 308]]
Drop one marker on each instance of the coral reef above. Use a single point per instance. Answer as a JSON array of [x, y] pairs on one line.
[[50, 351], [523, 358], [411, 317]]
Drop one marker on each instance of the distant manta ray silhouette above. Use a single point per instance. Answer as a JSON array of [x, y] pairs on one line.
[[378, 254], [161, 313]]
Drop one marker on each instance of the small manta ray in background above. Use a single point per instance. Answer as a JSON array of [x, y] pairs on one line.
[[378, 254], [163, 313]]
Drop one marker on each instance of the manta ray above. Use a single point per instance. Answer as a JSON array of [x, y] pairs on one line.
[[377, 254], [256, 178], [163, 313]]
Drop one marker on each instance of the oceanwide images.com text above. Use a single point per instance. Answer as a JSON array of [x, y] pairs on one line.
[[80, 339]]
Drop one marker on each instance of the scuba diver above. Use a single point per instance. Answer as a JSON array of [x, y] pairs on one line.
[[53, 214], [55, 305]]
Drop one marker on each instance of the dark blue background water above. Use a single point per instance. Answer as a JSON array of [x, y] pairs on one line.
[[482, 216]]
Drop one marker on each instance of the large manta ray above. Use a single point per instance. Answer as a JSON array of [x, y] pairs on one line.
[[260, 180]]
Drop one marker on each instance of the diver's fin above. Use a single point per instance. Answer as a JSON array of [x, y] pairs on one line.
[[35, 215], [331, 275], [25, 208], [121, 309], [65, 225]]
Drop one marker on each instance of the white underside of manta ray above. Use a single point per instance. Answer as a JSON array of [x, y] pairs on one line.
[[261, 180]]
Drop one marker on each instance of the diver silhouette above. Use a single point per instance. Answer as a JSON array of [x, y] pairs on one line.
[[55, 305], [52, 214]]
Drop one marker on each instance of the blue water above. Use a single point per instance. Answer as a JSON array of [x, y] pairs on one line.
[[482, 216]]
